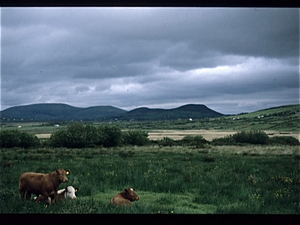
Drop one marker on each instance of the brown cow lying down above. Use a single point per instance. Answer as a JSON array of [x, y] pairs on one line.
[[42, 184], [125, 198], [66, 193]]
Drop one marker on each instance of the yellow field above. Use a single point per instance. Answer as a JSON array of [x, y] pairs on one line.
[[207, 134]]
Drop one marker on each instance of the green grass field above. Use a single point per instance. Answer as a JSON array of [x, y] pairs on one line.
[[170, 180]]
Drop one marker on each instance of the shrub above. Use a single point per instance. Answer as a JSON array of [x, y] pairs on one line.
[[15, 138], [166, 141], [197, 141], [10, 138], [76, 135], [91, 135], [58, 138], [29, 140], [109, 136], [228, 140], [284, 140], [135, 137], [251, 137]]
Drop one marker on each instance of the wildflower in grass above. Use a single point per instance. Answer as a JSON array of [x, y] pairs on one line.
[[283, 192], [253, 179], [283, 179]]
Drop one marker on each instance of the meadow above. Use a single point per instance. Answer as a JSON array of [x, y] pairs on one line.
[[247, 179], [170, 178]]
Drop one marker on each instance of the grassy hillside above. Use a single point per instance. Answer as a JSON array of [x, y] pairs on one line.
[[285, 118], [285, 110]]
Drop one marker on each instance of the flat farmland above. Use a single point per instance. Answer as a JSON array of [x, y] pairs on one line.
[[207, 134]]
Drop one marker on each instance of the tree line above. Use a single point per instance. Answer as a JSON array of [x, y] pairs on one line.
[[79, 135]]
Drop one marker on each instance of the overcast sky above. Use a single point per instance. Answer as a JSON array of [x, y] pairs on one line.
[[232, 60]]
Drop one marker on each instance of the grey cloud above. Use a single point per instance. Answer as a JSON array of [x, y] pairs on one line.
[[162, 56], [81, 88]]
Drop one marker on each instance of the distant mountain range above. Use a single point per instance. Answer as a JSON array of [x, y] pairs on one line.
[[64, 112]]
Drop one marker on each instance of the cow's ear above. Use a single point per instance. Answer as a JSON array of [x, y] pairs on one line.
[[134, 189], [57, 171], [67, 172], [126, 190]]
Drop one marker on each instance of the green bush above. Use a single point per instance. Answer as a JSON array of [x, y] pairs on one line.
[[135, 137], [284, 140], [15, 138], [109, 136], [197, 141], [166, 141], [91, 135], [58, 138], [251, 137], [76, 135], [29, 140], [228, 140]]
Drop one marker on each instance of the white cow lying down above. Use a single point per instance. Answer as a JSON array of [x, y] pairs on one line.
[[66, 193]]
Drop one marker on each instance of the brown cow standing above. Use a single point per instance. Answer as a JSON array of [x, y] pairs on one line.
[[39, 183], [125, 198]]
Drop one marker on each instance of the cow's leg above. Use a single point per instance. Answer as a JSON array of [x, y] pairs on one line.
[[28, 195], [22, 193], [52, 198], [45, 196], [39, 198], [127, 202]]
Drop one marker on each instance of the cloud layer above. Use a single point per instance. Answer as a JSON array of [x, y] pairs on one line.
[[231, 59]]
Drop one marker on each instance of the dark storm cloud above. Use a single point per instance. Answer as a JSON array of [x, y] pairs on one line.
[[160, 57]]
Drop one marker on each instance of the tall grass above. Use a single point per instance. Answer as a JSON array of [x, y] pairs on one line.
[[168, 180]]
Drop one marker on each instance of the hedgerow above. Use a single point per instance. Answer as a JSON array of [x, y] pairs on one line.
[[15, 138], [284, 140], [251, 137], [135, 137], [80, 135], [254, 137]]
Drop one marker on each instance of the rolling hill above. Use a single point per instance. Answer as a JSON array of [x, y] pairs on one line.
[[63, 112], [193, 111], [53, 111]]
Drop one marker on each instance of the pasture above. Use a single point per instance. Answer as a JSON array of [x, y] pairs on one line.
[[169, 180]]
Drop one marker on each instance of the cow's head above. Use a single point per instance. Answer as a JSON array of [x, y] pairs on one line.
[[70, 192], [131, 194], [62, 175]]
